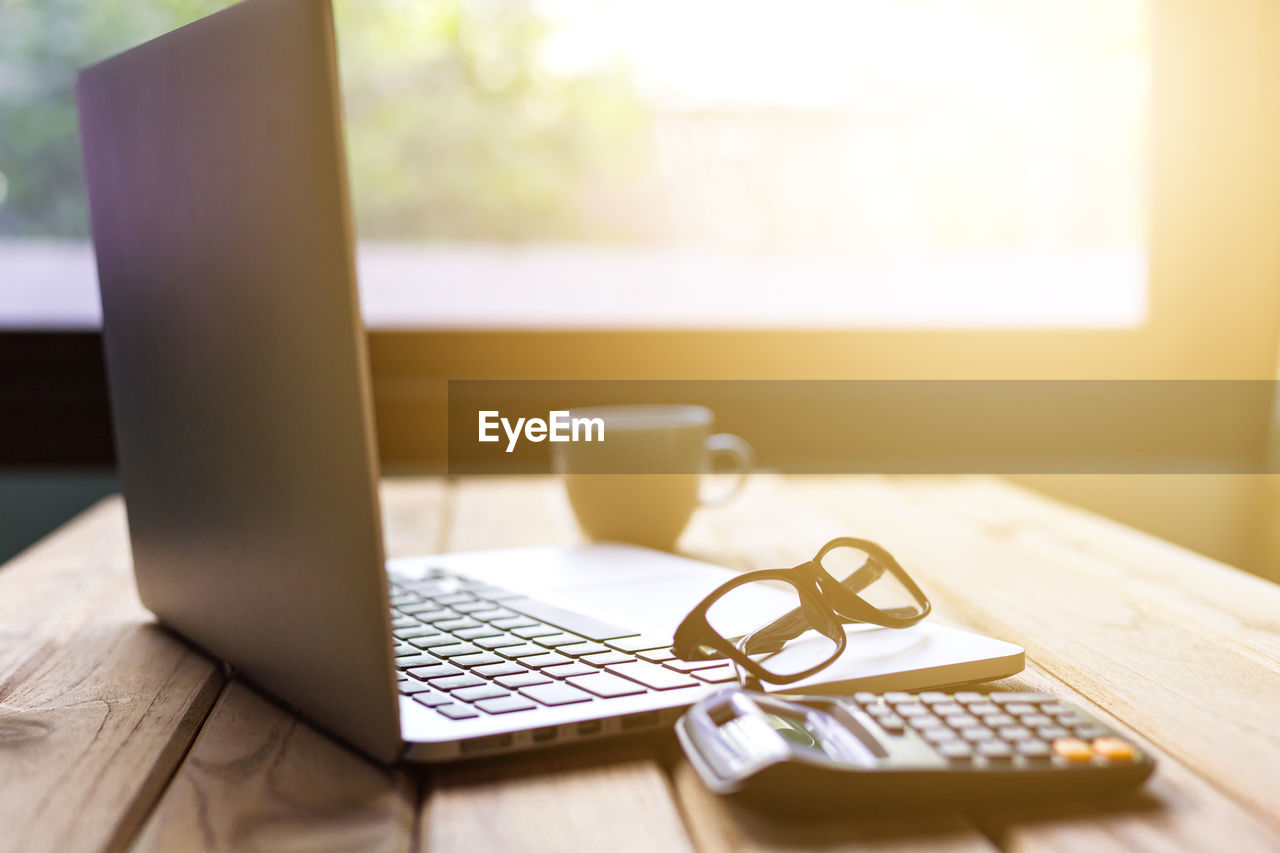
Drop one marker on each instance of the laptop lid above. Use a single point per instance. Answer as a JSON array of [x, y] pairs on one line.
[[236, 357]]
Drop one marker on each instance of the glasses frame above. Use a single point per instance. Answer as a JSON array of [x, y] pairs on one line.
[[826, 606]]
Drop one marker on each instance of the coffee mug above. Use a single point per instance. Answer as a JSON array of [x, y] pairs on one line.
[[642, 483]]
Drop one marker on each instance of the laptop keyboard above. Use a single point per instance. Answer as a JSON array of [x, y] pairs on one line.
[[466, 649]]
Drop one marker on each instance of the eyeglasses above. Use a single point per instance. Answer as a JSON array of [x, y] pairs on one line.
[[784, 625]]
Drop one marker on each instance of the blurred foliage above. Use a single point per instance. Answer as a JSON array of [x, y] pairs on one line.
[[454, 130]]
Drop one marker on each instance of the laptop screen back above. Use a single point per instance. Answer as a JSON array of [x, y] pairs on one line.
[[236, 358]]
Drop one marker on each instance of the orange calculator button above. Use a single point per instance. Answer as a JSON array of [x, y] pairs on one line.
[[1072, 749], [1115, 749]]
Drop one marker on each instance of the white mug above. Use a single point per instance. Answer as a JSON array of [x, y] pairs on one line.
[[641, 484]]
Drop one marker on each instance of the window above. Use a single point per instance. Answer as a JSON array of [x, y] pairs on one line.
[[600, 164]]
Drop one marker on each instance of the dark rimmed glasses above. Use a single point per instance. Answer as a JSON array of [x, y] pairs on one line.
[[785, 625]]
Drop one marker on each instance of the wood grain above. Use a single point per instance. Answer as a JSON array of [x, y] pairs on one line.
[[604, 796], [259, 778], [1164, 665], [98, 705], [593, 797]]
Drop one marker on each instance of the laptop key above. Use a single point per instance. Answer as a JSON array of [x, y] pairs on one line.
[[579, 649], [478, 632], [569, 620], [606, 685], [453, 598], [469, 606], [458, 712], [456, 682], [422, 659], [494, 670], [454, 650], [414, 631], [509, 623], [491, 614], [642, 643], [412, 687], [608, 657], [652, 675], [523, 679], [537, 629], [482, 659], [481, 691], [555, 693], [691, 665], [560, 638], [549, 659], [493, 593], [439, 669], [437, 639], [720, 675], [657, 655], [506, 705], [498, 642], [456, 624], [433, 699], [569, 669], [522, 651]]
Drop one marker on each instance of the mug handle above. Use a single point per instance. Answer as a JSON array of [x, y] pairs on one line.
[[744, 460]]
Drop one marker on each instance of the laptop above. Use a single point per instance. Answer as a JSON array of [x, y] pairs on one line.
[[240, 394]]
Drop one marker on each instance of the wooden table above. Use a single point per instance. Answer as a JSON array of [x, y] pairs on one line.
[[115, 734]]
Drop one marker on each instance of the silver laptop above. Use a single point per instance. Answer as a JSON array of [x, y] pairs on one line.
[[240, 393]]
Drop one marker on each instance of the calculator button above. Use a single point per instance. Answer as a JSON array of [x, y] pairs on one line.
[[1019, 708], [932, 696], [863, 697], [944, 709], [1036, 720], [977, 733], [926, 722], [1032, 749], [957, 751], [1014, 733], [898, 696], [995, 750], [995, 721], [1115, 749], [1090, 731], [1052, 732], [891, 724], [967, 696], [981, 708], [911, 709], [939, 735], [1072, 749], [961, 721]]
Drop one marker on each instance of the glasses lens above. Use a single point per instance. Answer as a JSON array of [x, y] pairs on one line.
[[765, 620], [871, 580]]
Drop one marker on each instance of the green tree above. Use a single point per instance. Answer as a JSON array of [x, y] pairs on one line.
[[455, 131]]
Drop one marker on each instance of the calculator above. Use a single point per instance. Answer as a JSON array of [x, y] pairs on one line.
[[811, 755]]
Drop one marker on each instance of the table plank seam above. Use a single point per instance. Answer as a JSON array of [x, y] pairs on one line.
[[1164, 752], [169, 761]]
